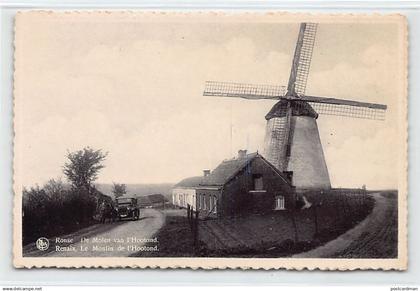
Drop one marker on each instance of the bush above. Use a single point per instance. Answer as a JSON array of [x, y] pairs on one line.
[[56, 209]]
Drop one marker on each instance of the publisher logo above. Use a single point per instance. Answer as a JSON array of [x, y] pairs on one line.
[[42, 244]]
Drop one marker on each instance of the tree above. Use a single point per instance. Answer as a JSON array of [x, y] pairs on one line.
[[36, 215], [55, 189], [83, 166], [119, 189]]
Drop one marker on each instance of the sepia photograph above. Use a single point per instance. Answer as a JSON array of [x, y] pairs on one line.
[[210, 140]]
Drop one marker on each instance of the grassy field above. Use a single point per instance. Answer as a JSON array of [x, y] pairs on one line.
[[278, 234], [284, 233]]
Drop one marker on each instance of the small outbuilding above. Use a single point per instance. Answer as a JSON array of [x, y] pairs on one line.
[[243, 185], [184, 192]]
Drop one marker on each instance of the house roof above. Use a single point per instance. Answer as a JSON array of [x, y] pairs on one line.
[[226, 170], [224, 173], [191, 182]]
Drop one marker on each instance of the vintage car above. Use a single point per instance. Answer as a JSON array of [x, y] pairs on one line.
[[127, 208]]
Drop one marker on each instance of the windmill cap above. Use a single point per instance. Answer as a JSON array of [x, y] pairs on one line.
[[299, 108]]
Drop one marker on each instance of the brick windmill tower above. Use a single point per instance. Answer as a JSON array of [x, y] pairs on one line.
[[292, 142]]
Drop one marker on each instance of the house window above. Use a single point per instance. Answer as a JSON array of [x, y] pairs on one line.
[[199, 201], [258, 182], [280, 203], [204, 202], [215, 204], [210, 202]]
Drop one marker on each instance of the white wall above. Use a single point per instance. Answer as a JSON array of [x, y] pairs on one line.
[[183, 196]]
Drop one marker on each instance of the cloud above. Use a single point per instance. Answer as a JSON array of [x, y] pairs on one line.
[[360, 151], [143, 103], [141, 100], [371, 161]]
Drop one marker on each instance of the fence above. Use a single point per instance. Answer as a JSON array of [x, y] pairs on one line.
[[344, 205], [193, 218]]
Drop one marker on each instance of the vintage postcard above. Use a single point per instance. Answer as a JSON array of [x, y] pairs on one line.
[[210, 140]]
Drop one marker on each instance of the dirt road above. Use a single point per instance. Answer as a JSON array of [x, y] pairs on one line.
[[374, 237], [119, 239]]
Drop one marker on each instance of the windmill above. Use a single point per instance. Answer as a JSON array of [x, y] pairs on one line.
[[292, 142]]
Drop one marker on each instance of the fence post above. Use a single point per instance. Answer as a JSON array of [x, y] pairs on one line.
[[347, 204], [295, 226], [316, 218], [337, 208], [195, 229], [364, 198], [192, 218]]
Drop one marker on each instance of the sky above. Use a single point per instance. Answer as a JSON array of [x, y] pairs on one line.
[[133, 88]]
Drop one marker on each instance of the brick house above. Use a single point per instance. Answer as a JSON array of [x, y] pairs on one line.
[[243, 185]]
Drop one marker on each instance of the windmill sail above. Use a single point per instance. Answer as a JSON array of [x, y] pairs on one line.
[[302, 59], [247, 91], [279, 129], [322, 105], [292, 142], [348, 111], [277, 138], [347, 108]]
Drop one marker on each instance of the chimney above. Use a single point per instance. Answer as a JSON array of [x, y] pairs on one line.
[[241, 154], [206, 173]]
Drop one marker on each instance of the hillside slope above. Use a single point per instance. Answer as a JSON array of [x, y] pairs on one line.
[[139, 189]]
